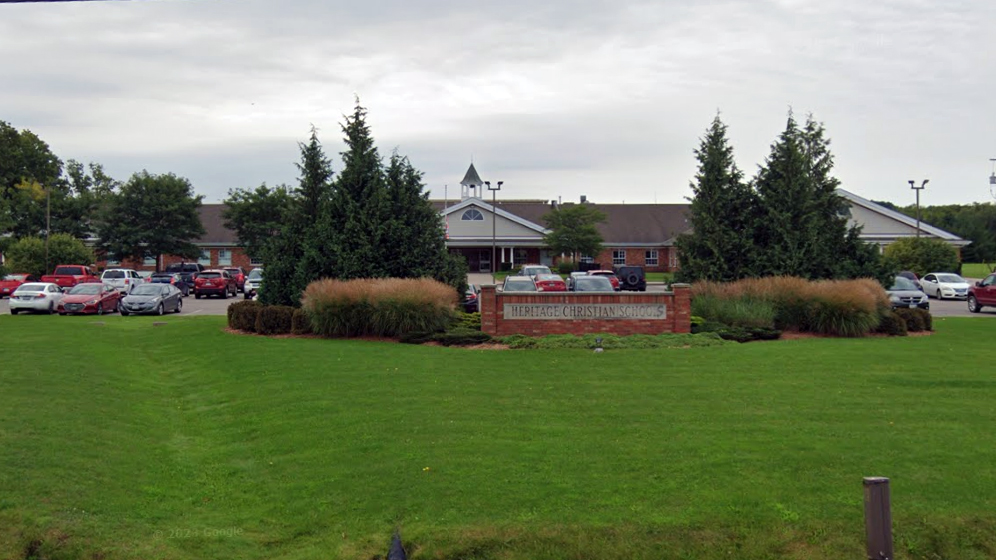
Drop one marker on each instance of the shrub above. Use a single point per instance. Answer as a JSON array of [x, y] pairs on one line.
[[914, 321], [470, 321], [242, 315], [928, 319], [300, 322], [892, 324], [738, 312], [566, 268], [378, 307], [275, 319], [416, 337], [461, 337], [922, 255]]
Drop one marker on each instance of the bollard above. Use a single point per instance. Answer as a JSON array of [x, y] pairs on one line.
[[878, 518]]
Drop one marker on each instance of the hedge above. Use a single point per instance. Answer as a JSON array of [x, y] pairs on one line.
[[274, 319], [300, 322], [242, 315]]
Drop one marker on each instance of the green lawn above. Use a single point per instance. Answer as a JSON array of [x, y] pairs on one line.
[[975, 270], [132, 441]]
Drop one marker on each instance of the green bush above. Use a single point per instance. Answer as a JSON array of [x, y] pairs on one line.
[[387, 307], [275, 319], [922, 255], [737, 334], [461, 337], [416, 337], [892, 324], [839, 317], [565, 268], [928, 319], [470, 321], [916, 319], [300, 322], [242, 315], [739, 312]]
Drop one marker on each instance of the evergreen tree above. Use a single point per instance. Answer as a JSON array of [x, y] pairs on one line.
[[721, 213], [414, 236], [359, 206]]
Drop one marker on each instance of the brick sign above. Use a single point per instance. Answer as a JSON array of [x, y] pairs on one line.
[[598, 311]]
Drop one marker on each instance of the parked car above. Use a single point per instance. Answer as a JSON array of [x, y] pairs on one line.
[[632, 278], [187, 271], [578, 273], [68, 275], [983, 293], [608, 274], [253, 281], [472, 299], [531, 270], [904, 293], [591, 284], [152, 298], [944, 285], [239, 274], [550, 283], [910, 275], [214, 282], [10, 282], [90, 298], [124, 279], [518, 284], [174, 278], [42, 297]]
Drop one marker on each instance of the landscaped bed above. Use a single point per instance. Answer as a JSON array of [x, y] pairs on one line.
[[126, 441]]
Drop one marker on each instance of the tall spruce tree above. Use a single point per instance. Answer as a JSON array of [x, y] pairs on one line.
[[721, 245], [359, 208], [415, 236]]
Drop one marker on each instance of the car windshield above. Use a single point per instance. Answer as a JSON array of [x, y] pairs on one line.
[[592, 284], [68, 271], [602, 273], [534, 270], [209, 275], [256, 274], [903, 283], [86, 289], [31, 288], [111, 274], [950, 278], [15, 277], [162, 277], [147, 290], [233, 271], [549, 278], [519, 286]]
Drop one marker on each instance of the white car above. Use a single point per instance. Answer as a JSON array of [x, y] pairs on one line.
[[41, 297], [253, 281], [124, 279], [944, 285]]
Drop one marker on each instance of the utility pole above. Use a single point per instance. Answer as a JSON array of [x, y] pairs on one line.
[[494, 226], [918, 189], [48, 225]]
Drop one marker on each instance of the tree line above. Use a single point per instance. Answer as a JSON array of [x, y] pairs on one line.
[[973, 222]]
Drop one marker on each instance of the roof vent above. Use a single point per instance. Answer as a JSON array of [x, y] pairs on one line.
[[584, 199]]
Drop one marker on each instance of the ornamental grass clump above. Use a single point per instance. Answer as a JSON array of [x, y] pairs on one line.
[[832, 307], [388, 307]]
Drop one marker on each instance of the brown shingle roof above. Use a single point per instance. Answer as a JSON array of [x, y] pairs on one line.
[[214, 226]]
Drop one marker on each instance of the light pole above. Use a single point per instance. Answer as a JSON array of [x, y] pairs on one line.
[[918, 189], [494, 225]]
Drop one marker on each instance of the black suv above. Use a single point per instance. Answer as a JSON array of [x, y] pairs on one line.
[[187, 271], [631, 278]]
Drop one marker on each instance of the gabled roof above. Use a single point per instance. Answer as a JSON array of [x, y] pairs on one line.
[[215, 232], [471, 178], [472, 201], [903, 218]]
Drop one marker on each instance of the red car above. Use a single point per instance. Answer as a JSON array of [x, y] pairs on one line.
[[982, 294], [608, 274], [239, 274], [10, 283], [550, 283], [90, 298], [214, 282]]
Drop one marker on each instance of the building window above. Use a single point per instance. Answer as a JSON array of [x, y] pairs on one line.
[[149, 261], [205, 258], [521, 255], [225, 257], [618, 257], [255, 261], [587, 259], [472, 215], [651, 258]]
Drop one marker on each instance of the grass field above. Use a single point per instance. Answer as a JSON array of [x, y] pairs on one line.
[[975, 270], [132, 441]]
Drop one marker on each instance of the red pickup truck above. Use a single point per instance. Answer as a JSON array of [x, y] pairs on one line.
[[68, 275]]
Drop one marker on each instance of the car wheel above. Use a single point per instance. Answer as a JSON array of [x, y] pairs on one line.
[[100, 309], [179, 305], [160, 310], [973, 304], [51, 307], [13, 311], [119, 307], [224, 294], [197, 296], [123, 313]]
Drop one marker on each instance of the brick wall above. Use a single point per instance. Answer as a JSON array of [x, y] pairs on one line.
[[677, 320], [239, 258]]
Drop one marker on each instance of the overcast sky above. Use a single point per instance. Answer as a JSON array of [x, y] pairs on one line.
[[557, 98]]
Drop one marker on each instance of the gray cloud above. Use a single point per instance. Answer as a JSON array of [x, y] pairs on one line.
[[593, 97]]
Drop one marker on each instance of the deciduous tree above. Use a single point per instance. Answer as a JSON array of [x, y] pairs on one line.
[[28, 254], [574, 230], [922, 255]]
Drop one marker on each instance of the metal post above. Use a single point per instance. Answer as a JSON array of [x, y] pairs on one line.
[[48, 224], [918, 189], [878, 518], [494, 226]]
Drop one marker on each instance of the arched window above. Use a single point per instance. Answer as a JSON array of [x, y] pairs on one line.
[[472, 215]]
